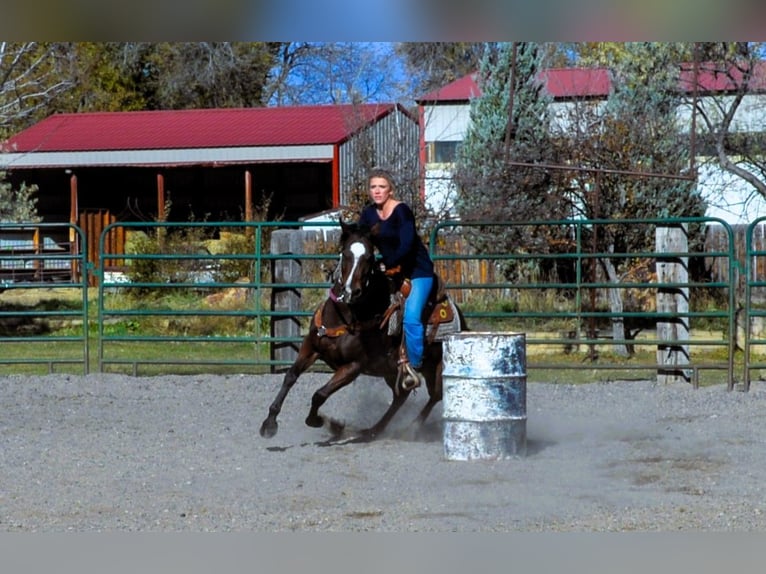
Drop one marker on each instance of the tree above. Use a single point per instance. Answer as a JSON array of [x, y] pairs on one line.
[[635, 147], [611, 54], [498, 169], [102, 80], [30, 80], [126, 76], [17, 205], [729, 120], [432, 65], [187, 75], [308, 73], [637, 130]]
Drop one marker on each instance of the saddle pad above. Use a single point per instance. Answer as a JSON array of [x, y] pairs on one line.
[[443, 317], [395, 320], [442, 313], [443, 321]]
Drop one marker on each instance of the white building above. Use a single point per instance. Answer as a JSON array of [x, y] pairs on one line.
[[445, 117]]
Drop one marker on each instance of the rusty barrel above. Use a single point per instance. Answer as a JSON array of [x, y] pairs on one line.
[[485, 396]]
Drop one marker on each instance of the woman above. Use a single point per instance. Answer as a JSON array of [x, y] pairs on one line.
[[400, 246]]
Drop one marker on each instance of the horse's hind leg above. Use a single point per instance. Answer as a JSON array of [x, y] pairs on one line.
[[380, 426], [424, 412], [434, 384], [306, 358]]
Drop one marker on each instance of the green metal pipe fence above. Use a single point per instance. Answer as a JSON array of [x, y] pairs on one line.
[[236, 297], [43, 297], [754, 307], [181, 292], [584, 319]]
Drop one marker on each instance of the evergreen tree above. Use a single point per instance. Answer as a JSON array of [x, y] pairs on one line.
[[499, 166]]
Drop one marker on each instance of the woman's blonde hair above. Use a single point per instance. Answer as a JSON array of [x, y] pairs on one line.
[[384, 174]]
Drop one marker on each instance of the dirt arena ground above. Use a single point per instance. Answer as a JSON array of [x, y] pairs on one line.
[[114, 453]]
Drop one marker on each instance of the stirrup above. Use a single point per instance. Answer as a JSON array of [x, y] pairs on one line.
[[412, 378]]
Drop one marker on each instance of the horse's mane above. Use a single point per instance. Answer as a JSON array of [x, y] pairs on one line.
[[353, 228]]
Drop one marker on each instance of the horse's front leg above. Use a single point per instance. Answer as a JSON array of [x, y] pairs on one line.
[[342, 377], [306, 357]]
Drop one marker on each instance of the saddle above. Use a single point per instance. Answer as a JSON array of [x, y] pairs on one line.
[[442, 315], [439, 310]]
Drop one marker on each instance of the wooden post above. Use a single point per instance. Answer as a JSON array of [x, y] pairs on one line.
[[161, 215], [248, 195], [337, 196], [249, 231], [37, 243], [161, 197], [673, 269], [285, 271], [288, 271], [74, 214]]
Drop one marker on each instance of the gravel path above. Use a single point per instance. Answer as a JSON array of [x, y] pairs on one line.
[[183, 453]]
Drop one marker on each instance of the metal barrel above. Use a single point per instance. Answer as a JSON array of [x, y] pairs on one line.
[[485, 396]]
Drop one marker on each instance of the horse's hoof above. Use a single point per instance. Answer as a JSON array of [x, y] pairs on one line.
[[269, 428], [314, 421], [362, 437]]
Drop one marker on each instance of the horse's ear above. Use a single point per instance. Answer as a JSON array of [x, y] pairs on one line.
[[345, 230], [375, 229]]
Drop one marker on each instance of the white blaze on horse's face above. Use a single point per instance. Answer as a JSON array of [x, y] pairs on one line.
[[357, 250]]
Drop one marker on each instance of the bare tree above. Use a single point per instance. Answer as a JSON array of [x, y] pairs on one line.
[[200, 74], [636, 159], [336, 73], [731, 125], [30, 79], [432, 65]]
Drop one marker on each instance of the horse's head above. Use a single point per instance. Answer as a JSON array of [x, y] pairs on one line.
[[356, 263]]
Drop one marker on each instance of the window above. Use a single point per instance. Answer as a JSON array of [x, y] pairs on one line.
[[442, 152]]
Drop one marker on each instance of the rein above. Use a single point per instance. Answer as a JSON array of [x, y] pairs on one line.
[[324, 331], [353, 327]]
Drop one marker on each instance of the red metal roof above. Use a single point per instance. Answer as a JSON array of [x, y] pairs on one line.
[[577, 82], [187, 129], [714, 78], [564, 83], [461, 89], [559, 82]]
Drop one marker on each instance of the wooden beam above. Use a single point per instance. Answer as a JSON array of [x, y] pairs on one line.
[[336, 176], [74, 215], [248, 195], [161, 197], [422, 152]]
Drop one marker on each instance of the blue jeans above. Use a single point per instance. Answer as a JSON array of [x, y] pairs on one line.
[[414, 331]]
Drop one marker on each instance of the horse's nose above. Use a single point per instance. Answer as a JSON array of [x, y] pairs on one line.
[[356, 293]]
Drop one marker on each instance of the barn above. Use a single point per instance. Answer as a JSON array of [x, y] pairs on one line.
[[213, 164]]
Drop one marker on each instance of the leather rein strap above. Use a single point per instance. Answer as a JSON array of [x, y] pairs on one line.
[[324, 331]]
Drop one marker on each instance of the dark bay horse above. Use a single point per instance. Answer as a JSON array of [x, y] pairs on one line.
[[348, 332]]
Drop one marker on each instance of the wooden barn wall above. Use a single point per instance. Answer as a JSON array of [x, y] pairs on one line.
[[393, 142]]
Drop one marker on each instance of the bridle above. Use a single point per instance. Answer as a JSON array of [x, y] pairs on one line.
[[342, 290]]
